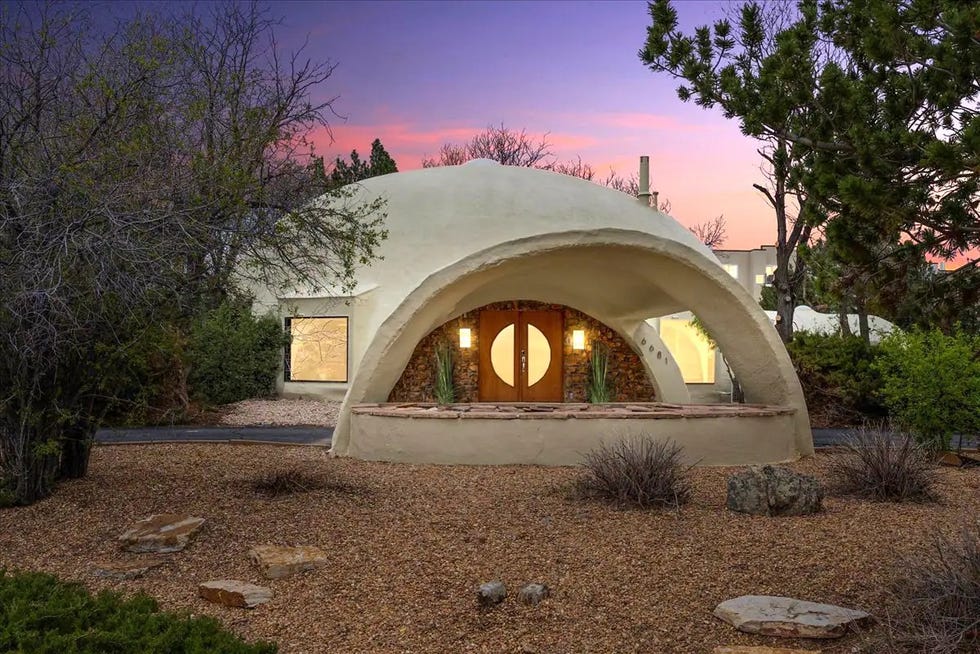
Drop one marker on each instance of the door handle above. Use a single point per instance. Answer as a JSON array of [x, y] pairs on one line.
[[523, 362]]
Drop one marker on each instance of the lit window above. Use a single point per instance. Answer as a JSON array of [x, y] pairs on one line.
[[317, 349], [731, 269], [692, 351], [767, 278]]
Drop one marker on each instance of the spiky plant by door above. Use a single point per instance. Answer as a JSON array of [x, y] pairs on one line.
[[598, 387], [445, 388]]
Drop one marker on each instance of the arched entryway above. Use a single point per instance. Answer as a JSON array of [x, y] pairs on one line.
[[525, 351]]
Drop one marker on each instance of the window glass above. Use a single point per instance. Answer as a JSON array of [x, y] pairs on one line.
[[731, 269], [317, 349], [502, 354], [692, 351]]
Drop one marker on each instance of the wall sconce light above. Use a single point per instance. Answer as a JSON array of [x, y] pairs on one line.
[[578, 339], [465, 338]]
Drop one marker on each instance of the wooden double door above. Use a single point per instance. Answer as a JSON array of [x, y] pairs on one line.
[[520, 356]]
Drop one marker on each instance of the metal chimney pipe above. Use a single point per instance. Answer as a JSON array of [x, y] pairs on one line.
[[644, 195]]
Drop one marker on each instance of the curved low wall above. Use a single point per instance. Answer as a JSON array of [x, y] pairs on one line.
[[559, 435]]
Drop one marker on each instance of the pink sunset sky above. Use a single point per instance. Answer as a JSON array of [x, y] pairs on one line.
[[419, 74]]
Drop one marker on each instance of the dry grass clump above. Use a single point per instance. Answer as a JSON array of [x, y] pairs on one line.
[[939, 598], [639, 472], [881, 465], [287, 481]]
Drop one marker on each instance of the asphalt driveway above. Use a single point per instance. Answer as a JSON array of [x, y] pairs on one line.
[[320, 435]]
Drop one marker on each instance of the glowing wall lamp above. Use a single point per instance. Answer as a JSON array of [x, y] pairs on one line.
[[578, 339], [464, 337]]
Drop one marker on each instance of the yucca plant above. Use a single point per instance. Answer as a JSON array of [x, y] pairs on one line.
[[598, 385], [445, 388]]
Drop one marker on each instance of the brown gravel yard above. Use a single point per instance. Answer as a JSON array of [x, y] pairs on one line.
[[408, 545], [280, 412]]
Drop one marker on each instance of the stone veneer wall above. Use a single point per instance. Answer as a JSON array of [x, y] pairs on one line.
[[627, 376]]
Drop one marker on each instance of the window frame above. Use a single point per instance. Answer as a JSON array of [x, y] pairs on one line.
[[287, 355]]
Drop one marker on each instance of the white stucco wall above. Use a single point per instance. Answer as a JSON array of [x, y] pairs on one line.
[[465, 236]]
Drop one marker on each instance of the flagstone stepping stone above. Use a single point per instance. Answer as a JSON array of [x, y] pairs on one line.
[[788, 617], [750, 649], [124, 570], [164, 532], [234, 593], [277, 561]]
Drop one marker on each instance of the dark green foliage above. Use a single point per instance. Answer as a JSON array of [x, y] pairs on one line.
[[867, 112], [640, 472], [883, 464], [445, 385], [379, 163], [598, 388], [152, 167], [838, 376], [937, 607], [41, 615], [931, 383], [233, 355]]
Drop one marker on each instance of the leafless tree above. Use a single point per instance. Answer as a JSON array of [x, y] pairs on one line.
[[143, 172], [712, 233], [507, 146]]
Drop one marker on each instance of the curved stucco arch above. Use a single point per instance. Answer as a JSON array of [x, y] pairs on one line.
[[618, 276]]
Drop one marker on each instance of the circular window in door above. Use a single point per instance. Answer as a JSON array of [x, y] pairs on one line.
[[538, 355], [502, 354]]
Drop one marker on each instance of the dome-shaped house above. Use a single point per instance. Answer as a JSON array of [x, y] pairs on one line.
[[525, 279]]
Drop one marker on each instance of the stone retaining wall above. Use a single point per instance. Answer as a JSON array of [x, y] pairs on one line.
[[627, 376]]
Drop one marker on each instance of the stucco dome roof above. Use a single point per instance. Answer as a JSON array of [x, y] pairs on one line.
[[439, 215]]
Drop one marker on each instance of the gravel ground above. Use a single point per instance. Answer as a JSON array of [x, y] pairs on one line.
[[409, 543], [280, 412]]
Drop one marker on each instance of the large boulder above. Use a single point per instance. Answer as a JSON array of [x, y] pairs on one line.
[[771, 491], [277, 561], [789, 618], [534, 594], [491, 593], [234, 593], [164, 532]]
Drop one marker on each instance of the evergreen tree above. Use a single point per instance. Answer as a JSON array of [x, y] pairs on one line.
[[379, 163], [867, 113]]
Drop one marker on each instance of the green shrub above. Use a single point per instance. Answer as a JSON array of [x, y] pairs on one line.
[[445, 386], [931, 383], [42, 615], [233, 355], [637, 472], [598, 389], [839, 379], [882, 464], [144, 376]]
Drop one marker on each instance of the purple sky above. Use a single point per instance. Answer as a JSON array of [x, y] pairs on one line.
[[418, 74]]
